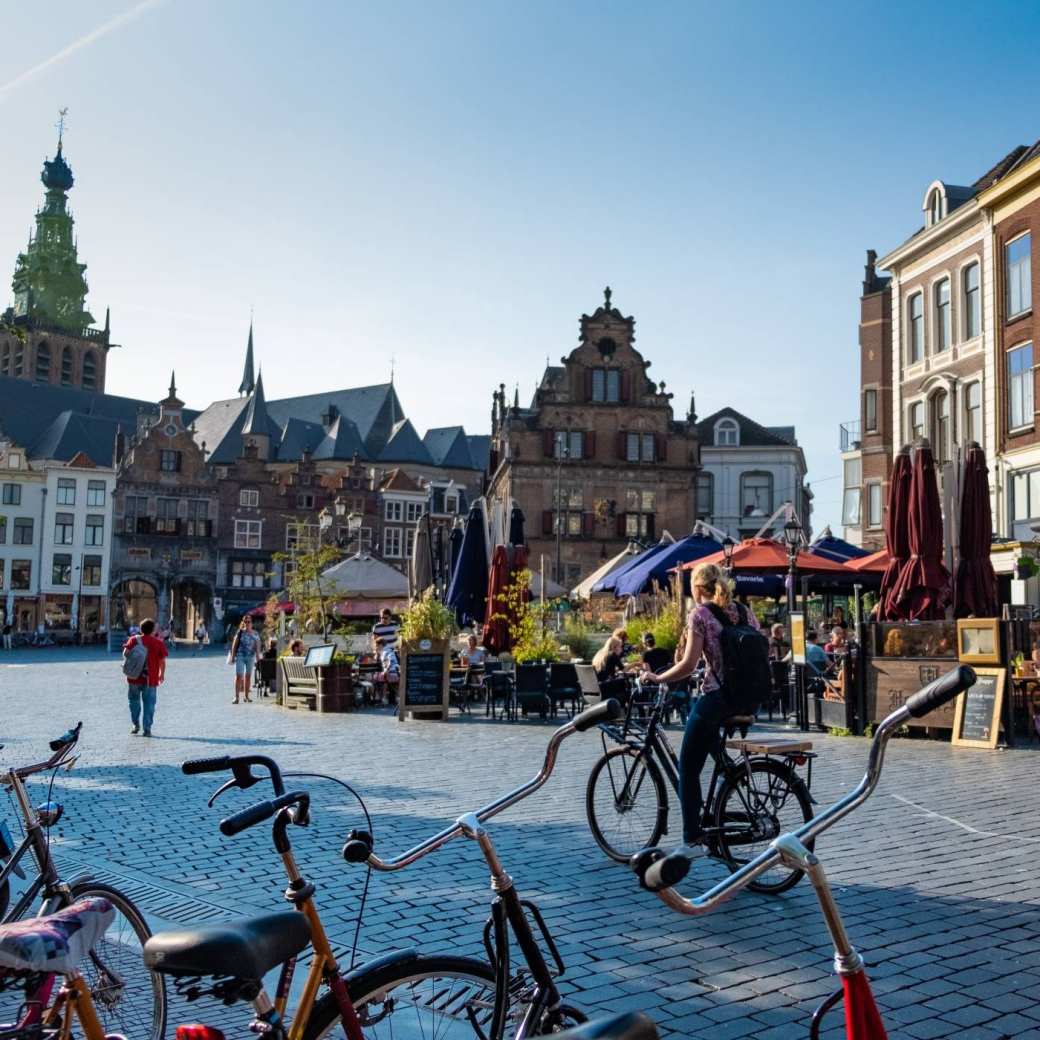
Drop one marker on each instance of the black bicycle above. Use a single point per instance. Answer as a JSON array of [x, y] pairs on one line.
[[130, 1000], [755, 793]]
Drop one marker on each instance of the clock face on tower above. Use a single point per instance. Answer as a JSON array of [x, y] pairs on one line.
[[170, 430]]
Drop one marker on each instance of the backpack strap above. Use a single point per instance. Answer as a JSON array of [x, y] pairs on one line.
[[719, 614]]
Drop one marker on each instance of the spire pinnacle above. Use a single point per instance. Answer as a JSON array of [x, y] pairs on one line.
[[256, 421], [173, 383], [248, 382]]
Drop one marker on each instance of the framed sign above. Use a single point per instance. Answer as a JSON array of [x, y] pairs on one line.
[[978, 640], [976, 720], [423, 691], [319, 656], [797, 637]]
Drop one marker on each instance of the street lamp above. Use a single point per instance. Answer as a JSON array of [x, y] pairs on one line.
[[353, 528], [728, 545], [561, 448], [793, 541]]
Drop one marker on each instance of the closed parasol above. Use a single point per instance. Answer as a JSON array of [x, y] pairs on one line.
[[467, 594], [420, 567], [897, 537], [507, 561], [975, 584]]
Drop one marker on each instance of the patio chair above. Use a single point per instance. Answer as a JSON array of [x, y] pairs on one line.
[[564, 687], [498, 688], [587, 682], [531, 689], [265, 673], [458, 689]]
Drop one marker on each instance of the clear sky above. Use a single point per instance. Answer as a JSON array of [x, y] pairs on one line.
[[451, 185]]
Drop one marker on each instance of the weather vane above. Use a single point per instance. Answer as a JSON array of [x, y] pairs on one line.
[[60, 124], [606, 296]]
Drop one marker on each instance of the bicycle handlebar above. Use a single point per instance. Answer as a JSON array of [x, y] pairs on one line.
[[240, 766], [658, 871], [254, 814], [61, 746], [360, 843]]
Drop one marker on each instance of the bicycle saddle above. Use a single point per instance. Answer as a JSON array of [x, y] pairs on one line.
[[57, 943], [238, 949], [735, 722]]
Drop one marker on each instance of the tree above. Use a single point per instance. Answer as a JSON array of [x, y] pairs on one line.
[[304, 587]]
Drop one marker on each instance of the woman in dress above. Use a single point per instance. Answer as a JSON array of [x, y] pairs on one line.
[[245, 652]]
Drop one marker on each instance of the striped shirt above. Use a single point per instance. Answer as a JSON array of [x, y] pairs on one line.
[[385, 633]]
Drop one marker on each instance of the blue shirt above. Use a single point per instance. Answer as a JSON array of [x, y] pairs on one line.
[[815, 656]]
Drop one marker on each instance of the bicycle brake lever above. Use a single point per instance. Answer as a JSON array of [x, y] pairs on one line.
[[226, 785], [67, 766]]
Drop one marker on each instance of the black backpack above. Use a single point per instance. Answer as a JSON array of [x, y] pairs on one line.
[[745, 660]]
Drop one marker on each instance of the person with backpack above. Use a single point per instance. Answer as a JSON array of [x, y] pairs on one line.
[[736, 680], [144, 665]]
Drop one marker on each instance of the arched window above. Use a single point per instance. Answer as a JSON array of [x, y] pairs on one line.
[[89, 371], [5, 358], [941, 427], [727, 433], [66, 367], [935, 207], [43, 362], [17, 367]]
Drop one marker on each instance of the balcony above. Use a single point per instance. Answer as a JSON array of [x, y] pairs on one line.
[[851, 436]]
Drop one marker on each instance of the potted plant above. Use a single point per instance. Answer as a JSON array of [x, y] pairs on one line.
[[1025, 567], [426, 630]]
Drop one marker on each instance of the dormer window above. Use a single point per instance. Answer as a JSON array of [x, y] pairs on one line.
[[727, 433], [935, 207]]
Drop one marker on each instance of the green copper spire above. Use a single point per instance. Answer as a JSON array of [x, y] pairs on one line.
[[48, 278]]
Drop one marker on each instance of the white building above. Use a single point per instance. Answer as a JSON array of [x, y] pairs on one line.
[[22, 493], [747, 473]]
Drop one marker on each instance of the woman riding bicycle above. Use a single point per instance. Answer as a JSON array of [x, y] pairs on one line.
[[703, 639]]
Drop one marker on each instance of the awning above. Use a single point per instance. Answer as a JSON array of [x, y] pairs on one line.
[[284, 607], [368, 607]]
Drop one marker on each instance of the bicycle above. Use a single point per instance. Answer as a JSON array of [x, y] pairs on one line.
[[753, 797], [125, 994], [659, 871], [530, 998]]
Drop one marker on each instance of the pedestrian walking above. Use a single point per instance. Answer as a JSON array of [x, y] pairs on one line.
[[200, 636], [142, 688], [8, 635], [244, 653]]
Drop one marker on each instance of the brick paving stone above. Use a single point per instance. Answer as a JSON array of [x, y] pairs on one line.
[[942, 913]]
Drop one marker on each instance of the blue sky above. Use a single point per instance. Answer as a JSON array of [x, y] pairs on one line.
[[452, 185]]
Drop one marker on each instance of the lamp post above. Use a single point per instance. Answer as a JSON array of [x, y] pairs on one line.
[[793, 541], [561, 448], [728, 545]]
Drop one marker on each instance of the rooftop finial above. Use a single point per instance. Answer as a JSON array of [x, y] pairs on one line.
[[60, 125], [248, 382], [606, 297], [173, 383]]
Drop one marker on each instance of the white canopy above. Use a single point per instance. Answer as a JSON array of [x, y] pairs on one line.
[[364, 577], [584, 589], [552, 589]]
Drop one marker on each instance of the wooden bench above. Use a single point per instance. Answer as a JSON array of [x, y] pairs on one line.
[[306, 688]]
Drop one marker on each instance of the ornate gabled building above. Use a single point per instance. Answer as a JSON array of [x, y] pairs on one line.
[[599, 458], [57, 341]]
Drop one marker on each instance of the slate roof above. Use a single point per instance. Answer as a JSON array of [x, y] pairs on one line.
[[404, 445], [479, 449], [448, 446], [751, 433], [256, 420], [373, 409], [341, 442], [398, 480]]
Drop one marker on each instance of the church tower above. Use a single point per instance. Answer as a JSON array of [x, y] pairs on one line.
[[57, 342]]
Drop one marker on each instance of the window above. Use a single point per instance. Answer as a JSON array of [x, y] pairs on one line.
[[95, 529], [935, 207], [727, 433], [198, 518], [917, 421], [21, 574], [606, 385], [640, 447], [249, 498], [756, 494], [394, 511], [972, 314], [413, 510], [89, 371], [915, 328], [63, 528], [166, 516], [568, 444], [14, 460], [568, 514], [409, 541], [61, 569], [705, 504], [302, 537], [248, 574], [1025, 495], [23, 531], [247, 534], [17, 369], [451, 504], [1020, 386], [973, 412], [95, 493], [1019, 288], [851, 499], [366, 539], [66, 367], [392, 541], [12, 495], [305, 500], [66, 492], [135, 514], [92, 571], [170, 461], [3, 530], [873, 505], [5, 359], [870, 411], [640, 506], [941, 426], [43, 363], [942, 314]]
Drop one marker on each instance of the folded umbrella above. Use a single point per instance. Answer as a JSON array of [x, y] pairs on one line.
[[897, 537], [467, 594], [975, 584]]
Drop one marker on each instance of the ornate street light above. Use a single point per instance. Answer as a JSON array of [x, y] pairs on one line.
[[340, 505], [793, 541], [728, 545]]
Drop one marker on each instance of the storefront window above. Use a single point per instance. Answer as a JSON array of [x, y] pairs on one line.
[[925, 639]]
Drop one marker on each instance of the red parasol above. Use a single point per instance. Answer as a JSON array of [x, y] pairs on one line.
[[284, 607], [875, 563], [506, 563], [862, 1018], [975, 586], [924, 582], [897, 536], [766, 556]]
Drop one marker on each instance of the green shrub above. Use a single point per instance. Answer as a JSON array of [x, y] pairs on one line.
[[578, 637]]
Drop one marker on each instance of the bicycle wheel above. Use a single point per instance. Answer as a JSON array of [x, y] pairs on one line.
[[626, 803], [752, 811], [130, 999], [429, 998]]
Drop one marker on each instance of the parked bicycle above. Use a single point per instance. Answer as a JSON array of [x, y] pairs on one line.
[[129, 998], [659, 871], [755, 793]]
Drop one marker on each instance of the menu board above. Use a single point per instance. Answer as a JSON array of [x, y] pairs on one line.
[[424, 683], [977, 719]]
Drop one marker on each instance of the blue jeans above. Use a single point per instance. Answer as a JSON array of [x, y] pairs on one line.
[[699, 740], [138, 695]]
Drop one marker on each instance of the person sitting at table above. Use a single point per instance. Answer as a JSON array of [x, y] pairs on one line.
[[390, 675], [296, 648], [610, 670], [814, 653], [655, 659], [272, 649], [473, 656], [838, 643]]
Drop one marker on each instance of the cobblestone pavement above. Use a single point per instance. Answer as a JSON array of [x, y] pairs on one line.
[[936, 874]]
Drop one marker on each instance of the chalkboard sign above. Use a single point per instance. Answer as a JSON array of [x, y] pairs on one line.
[[424, 680], [977, 718]]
